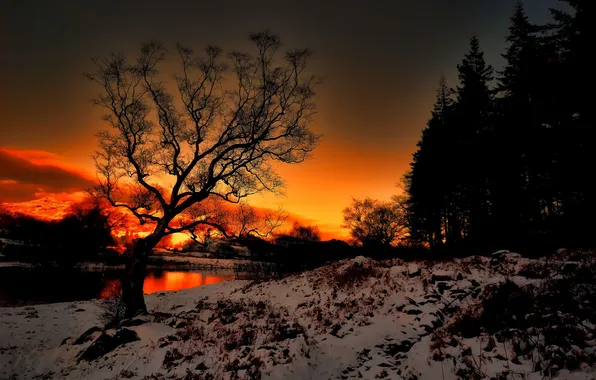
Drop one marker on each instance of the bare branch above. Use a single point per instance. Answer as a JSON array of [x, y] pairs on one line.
[[214, 139]]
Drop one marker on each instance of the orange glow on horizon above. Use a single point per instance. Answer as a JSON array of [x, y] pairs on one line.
[[126, 228], [316, 190]]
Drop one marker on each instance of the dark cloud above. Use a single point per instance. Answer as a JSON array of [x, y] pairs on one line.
[[21, 179], [11, 191]]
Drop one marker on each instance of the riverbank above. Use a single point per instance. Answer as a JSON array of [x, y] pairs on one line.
[[163, 261], [182, 261], [352, 319]]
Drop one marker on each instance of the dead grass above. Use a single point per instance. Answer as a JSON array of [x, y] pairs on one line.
[[112, 308], [354, 275], [550, 323]]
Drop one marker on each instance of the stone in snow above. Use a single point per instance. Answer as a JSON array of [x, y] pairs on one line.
[[414, 270], [106, 343]]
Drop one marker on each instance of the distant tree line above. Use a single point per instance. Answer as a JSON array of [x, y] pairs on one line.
[[82, 234], [507, 158]]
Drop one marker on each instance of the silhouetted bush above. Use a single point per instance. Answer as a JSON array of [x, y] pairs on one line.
[[307, 233], [355, 274], [304, 255], [111, 309]]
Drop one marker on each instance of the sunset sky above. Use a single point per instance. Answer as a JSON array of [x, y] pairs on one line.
[[380, 60]]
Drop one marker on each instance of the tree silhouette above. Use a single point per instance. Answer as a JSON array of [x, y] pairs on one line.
[[573, 122], [374, 223], [308, 233], [429, 182], [473, 112], [510, 166], [163, 158], [515, 191]]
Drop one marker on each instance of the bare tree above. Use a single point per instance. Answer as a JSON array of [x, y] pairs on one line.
[[248, 221], [372, 222], [238, 222], [216, 138]]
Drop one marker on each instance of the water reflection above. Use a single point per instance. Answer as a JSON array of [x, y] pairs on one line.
[[22, 286], [159, 281], [166, 281]]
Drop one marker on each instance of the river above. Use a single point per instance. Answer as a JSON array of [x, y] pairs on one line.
[[26, 286]]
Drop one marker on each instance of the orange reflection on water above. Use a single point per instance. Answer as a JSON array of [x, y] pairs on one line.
[[180, 280], [157, 282]]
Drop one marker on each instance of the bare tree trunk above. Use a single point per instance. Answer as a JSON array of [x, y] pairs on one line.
[[132, 283]]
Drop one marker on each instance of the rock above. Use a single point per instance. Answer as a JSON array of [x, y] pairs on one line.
[[166, 340], [442, 286], [87, 335], [100, 346], [412, 311], [441, 275], [414, 270], [460, 277], [181, 324], [364, 261], [66, 341], [106, 343], [124, 336], [159, 316], [136, 321]]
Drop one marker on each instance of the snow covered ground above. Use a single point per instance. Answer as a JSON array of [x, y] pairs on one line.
[[351, 319]]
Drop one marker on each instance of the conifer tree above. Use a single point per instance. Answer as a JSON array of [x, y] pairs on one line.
[[428, 181], [574, 123], [474, 113], [518, 165]]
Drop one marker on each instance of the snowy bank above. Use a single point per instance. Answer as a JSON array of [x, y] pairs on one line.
[[352, 319]]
